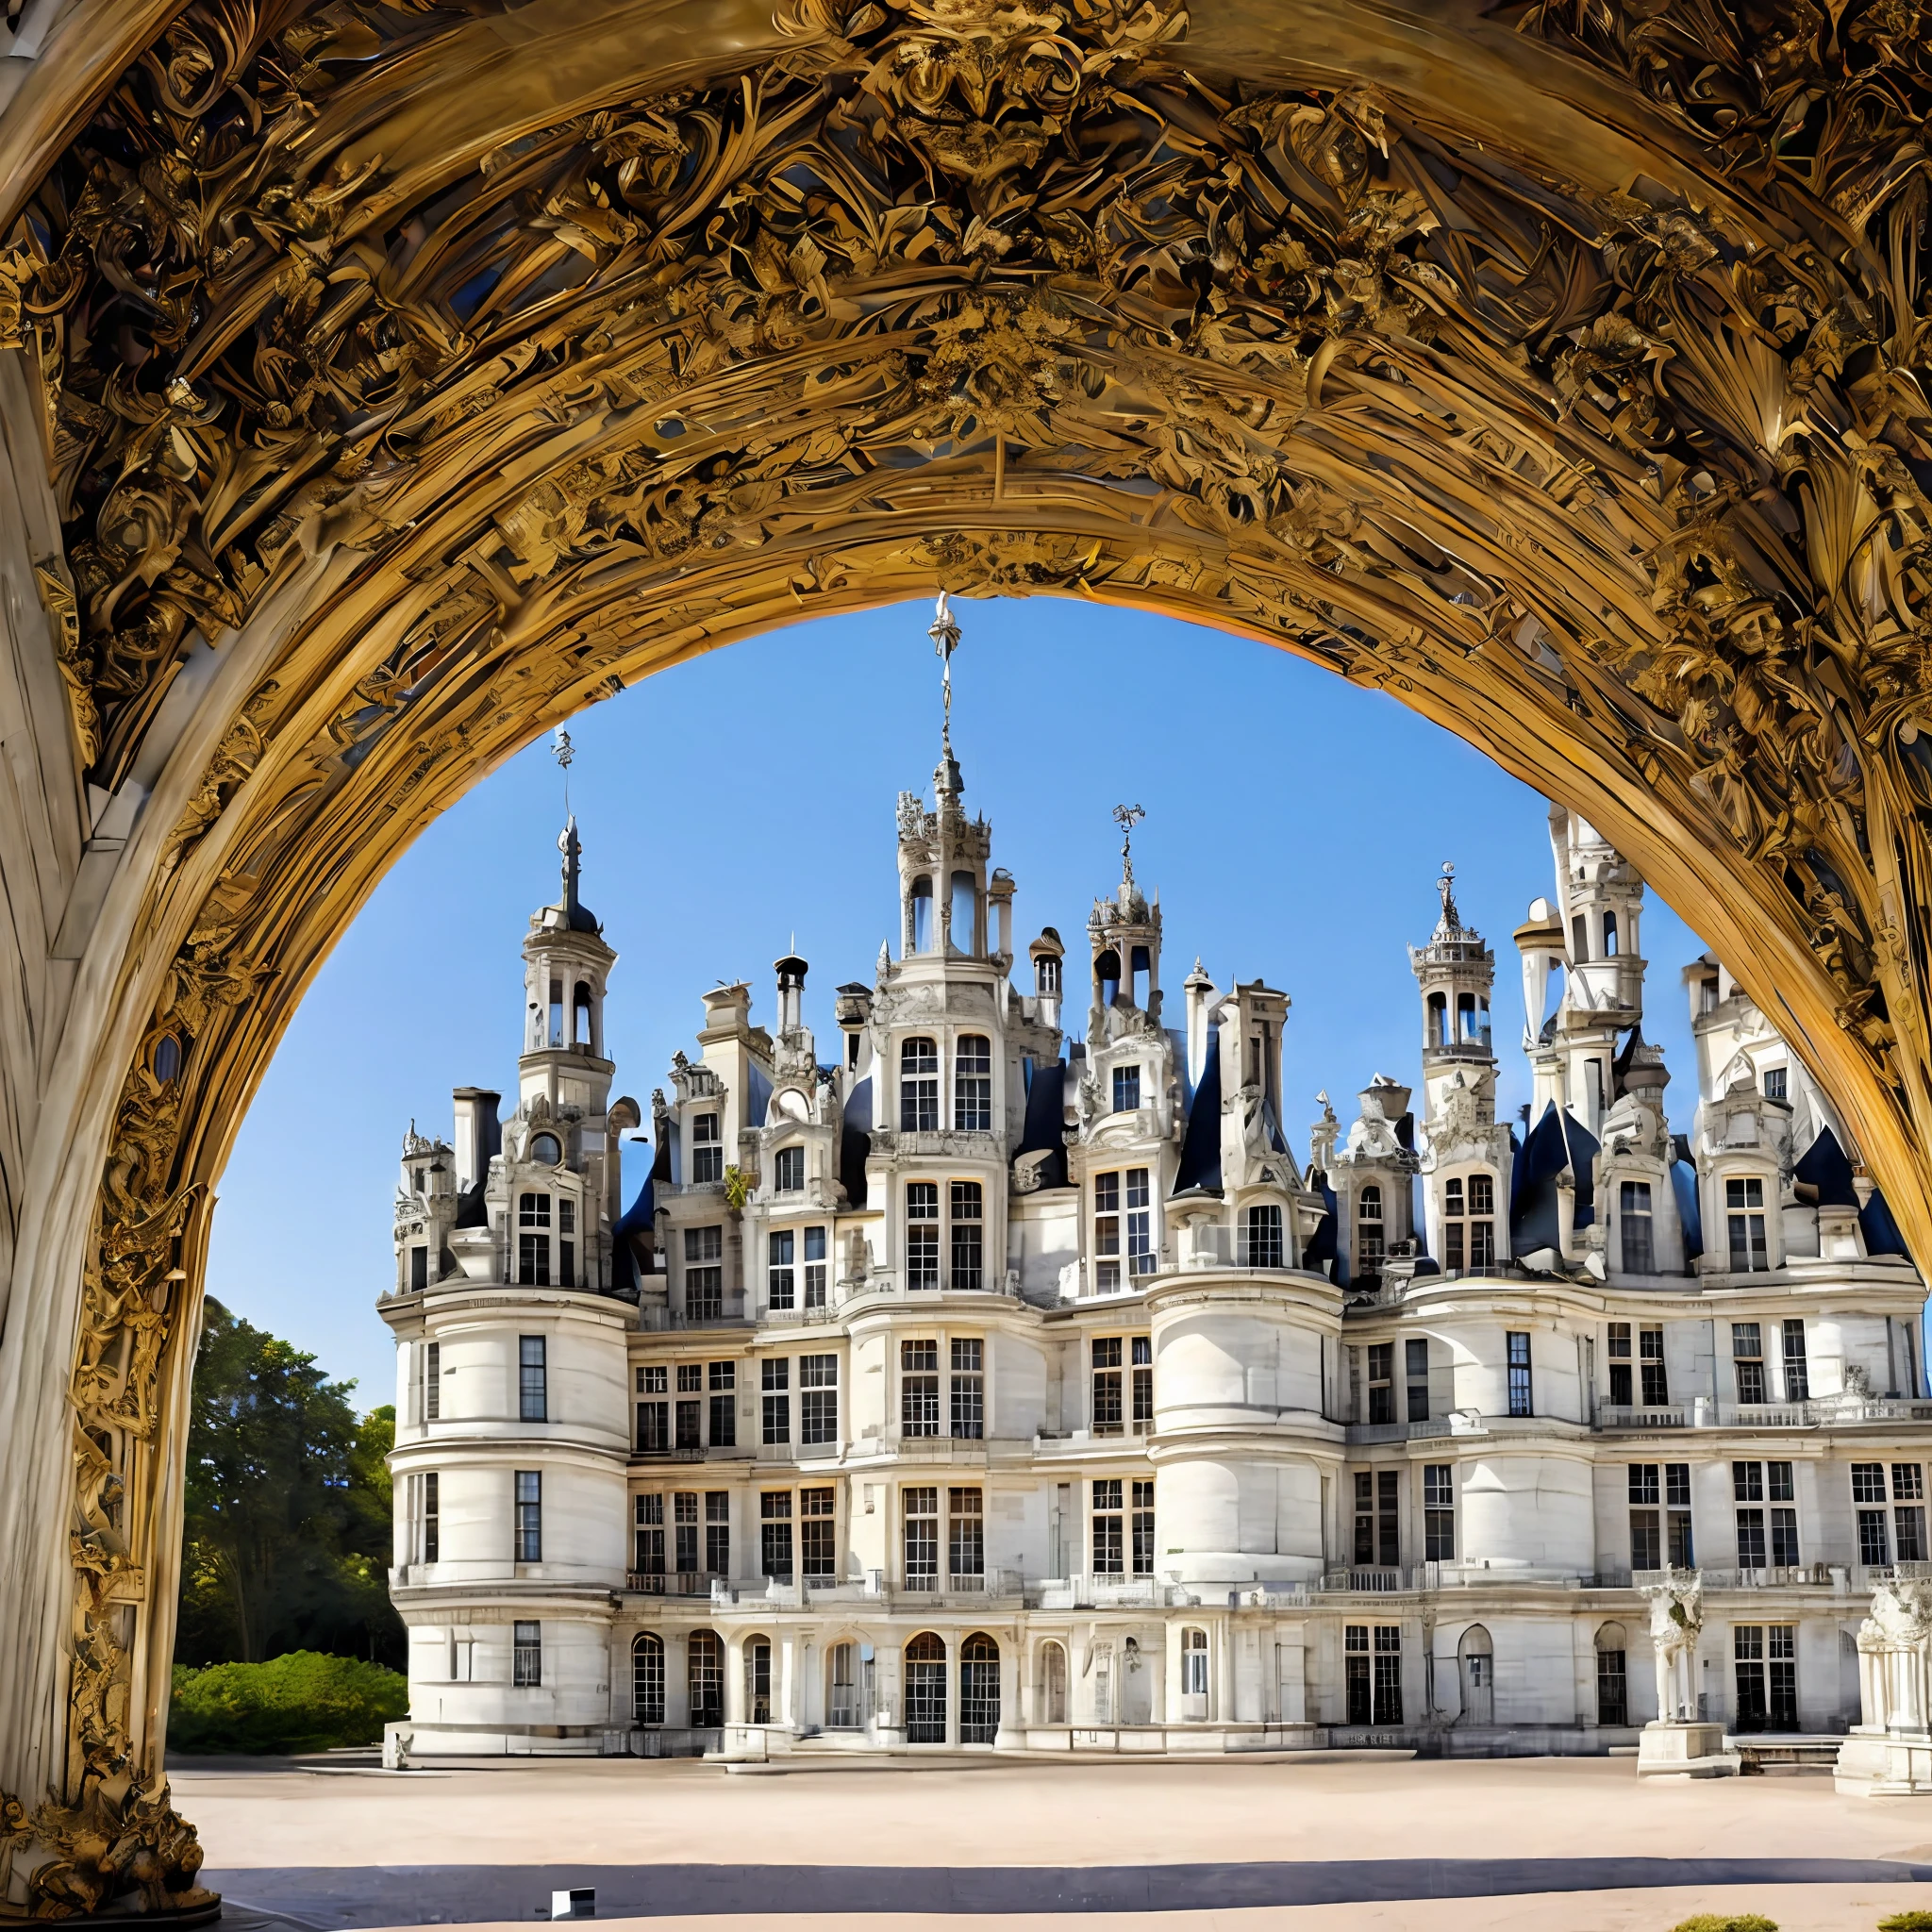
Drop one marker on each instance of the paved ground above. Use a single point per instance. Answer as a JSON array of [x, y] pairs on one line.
[[1301, 1847]]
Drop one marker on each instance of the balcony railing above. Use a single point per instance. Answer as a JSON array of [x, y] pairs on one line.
[[671, 1582], [1084, 1592], [1825, 1412]]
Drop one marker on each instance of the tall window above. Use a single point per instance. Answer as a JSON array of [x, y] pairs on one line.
[[969, 1388], [1650, 1363], [818, 1543], [1141, 1349], [1612, 1681], [1109, 1543], [965, 1537], [1370, 1245], [1766, 1536], [815, 1268], [1438, 1512], [1378, 1518], [1797, 1369], [566, 1242], [684, 1528], [777, 1399], [704, 1654], [707, 1149], [690, 1381], [717, 1531], [1381, 1382], [1262, 1237], [533, 1376], [1127, 1089], [1482, 1225], [1747, 1361], [647, 1679], [1907, 1516], [704, 1273], [1744, 1215], [774, 1534], [1661, 1516], [649, 1532], [1639, 1246], [926, 1689], [1469, 1226], [1193, 1663], [1373, 1660], [918, 1087], [530, 1493], [842, 1704], [1141, 1528], [1519, 1403], [1416, 1369], [922, 1235], [780, 1278], [419, 1270], [723, 1405], [972, 1084], [1109, 1224], [533, 1241], [432, 1377], [979, 1690], [1765, 1656], [921, 1538], [818, 1398], [1108, 1392], [789, 1170], [432, 1516], [1454, 1226], [969, 1238], [919, 1388], [527, 1656]]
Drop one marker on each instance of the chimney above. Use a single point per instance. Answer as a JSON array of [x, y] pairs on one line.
[[479, 1135], [1200, 992]]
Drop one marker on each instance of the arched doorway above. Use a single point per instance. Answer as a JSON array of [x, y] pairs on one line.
[[979, 1690], [647, 1679], [1612, 1676], [1477, 1662], [1053, 1683], [926, 1689], [1381, 384], [757, 1680]]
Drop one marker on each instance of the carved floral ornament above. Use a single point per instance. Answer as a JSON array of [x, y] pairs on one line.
[[1625, 479]]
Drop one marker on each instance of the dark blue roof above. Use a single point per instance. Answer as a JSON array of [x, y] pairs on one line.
[[1201, 1151], [635, 1220], [1534, 1220], [1880, 1229], [1823, 1166], [1044, 1131], [854, 1142], [1690, 1208]]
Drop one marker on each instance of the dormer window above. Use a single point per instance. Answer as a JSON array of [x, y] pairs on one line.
[[1774, 1083], [1047, 976], [546, 1149], [972, 1084], [707, 1150], [533, 1241], [1370, 1244], [1640, 1245], [1127, 1089], [789, 1170], [1262, 1237], [918, 1087], [1469, 1226]]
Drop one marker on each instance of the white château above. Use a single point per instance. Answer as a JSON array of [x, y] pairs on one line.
[[974, 1385]]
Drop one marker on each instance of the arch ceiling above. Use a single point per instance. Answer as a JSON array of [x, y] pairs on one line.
[[388, 382]]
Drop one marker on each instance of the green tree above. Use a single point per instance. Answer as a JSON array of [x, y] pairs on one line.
[[288, 1507]]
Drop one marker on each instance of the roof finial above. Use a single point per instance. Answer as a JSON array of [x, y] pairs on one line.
[[945, 634], [1126, 817], [1445, 884], [562, 751]]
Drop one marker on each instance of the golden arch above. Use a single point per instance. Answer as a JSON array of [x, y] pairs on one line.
[[384, 386]]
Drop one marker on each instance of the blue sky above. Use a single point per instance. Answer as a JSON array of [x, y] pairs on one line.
[[1295, 828]]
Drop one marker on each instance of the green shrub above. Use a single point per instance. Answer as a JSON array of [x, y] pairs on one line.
[[302, 1702], [1907, 1922], [1728, 1922]]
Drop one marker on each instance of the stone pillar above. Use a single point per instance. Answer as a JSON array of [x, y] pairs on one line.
[[1011, 1735], [1888, 1752], [951, 1640]]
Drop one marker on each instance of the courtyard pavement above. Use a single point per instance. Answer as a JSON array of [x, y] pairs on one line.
[[1310, 1844]]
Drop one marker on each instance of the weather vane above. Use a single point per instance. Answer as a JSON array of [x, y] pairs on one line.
[[1446, 885], [563, 752], [945, 634], [1126, 817]]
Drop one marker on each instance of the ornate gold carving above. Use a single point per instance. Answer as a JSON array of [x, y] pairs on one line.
[[1629, 484], [63, 613]]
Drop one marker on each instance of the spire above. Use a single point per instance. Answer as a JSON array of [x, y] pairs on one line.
[[1450, 925], [1126, 817], [577, 915], [945, 634]]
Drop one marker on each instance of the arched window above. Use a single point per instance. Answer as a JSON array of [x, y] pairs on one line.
[[1609, 935], [1476, 1656], [1465, 1018], [918, 1087], [972, 1084], [921, 915], [1052, 1684], [926, 1689], [757, 1680], [555, 1038], [1195, 1668], [1141, 975], [969, 1238], [704, 1654], [842, 1688], [1437, 1031], [1370, 1245], [647, 1679], [1106, 977], [547, 1149], [964, 919], [1612, 1683], [979, 1690], [580, 1015], [167, 1059]]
